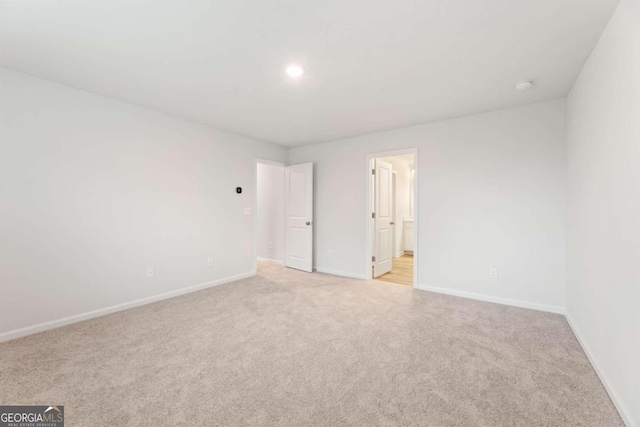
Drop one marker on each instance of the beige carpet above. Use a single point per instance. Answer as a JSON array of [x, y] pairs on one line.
[[290, 348]]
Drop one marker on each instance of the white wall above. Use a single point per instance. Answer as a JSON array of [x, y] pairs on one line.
[[270, 212], [603, 275], [491, 194], [94, 191]]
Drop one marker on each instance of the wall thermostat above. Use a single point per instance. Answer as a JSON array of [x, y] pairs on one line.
[[238, 190]]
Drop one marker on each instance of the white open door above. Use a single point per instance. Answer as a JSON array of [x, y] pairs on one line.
[[298, 211], [383, 211]]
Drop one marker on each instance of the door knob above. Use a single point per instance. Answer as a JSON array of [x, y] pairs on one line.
[[308, 223]]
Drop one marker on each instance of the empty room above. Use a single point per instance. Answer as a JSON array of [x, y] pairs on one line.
[[296, 213]]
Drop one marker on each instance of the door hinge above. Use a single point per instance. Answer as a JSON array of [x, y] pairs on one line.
[[373, 171], [373, 259], [373, 215]]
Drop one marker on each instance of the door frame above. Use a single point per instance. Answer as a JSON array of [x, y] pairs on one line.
[[258, 160], [416, 215]]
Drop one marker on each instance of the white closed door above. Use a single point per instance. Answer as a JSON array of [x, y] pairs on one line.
[[298, 211], [383, 213]]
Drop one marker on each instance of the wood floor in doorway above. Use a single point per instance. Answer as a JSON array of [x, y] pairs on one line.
[[401, 271]]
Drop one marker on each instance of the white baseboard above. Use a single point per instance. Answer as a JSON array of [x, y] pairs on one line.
[[399, 254], [497, 300], [275, 261], [341, 273], [30, 330], [622, 410]]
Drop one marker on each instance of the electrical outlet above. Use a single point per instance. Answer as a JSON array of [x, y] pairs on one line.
[[209, 262], [150, 272], [493, 273]]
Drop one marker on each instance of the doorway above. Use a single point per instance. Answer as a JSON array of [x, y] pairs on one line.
[[269, 208], [284, 214], [392, 217]]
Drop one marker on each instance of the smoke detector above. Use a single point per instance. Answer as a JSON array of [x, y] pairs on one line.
[[524, 85]]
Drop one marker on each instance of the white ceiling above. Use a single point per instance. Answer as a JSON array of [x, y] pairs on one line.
[[371, 64]]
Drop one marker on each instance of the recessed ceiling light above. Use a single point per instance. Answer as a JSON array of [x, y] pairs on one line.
[[295, 71], [524, 85]]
